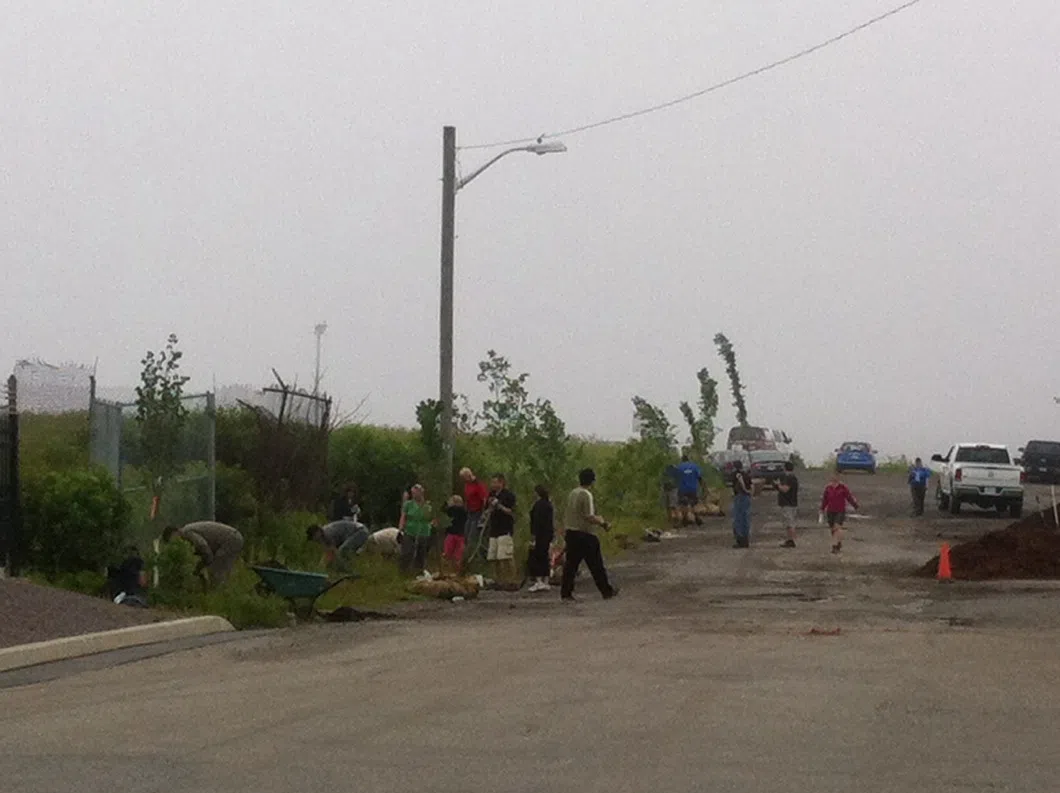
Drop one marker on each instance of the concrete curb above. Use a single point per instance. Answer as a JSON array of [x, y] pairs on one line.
[[91, 643]]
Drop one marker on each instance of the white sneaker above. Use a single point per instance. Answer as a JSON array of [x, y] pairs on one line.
[[540, 586]]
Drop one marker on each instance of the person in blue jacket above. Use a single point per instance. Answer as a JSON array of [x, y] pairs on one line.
[[689, 478], [919, 476]]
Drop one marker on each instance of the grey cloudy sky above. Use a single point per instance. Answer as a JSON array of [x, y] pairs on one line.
[[875, 226]]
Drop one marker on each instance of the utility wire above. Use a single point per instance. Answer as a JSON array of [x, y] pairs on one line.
[[710, 89]]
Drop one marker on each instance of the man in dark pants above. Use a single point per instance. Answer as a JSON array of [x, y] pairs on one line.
[[582, 543], [918, 482]]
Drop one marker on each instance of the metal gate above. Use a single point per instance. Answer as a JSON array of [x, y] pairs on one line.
[[10, 512]]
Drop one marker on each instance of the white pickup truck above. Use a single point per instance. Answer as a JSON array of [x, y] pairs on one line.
[[979, 473]]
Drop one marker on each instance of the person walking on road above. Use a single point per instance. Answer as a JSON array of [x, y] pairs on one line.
[[788, 501], [542, 529], [689, 478], [741, 505], [919, 476], [475, 496], [834, 502], [580, 523], [217, 545]]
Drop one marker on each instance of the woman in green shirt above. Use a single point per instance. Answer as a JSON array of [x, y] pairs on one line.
[[416, 521]]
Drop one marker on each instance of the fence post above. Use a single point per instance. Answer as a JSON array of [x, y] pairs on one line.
[[211, 453], [15, 539]]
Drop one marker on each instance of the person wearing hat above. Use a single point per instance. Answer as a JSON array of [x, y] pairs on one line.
[[582, 544]]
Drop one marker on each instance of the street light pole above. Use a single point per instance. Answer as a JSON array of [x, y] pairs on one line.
[[445, 330], [450, 186]]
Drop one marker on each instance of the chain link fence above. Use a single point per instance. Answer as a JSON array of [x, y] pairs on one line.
[[190, 495]]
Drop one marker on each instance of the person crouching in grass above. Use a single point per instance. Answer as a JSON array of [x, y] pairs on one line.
[[453, 549]]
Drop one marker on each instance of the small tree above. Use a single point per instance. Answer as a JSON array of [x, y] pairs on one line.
[[653, 425], [161, 414], [701, 427], [728, 354], [527, 434]]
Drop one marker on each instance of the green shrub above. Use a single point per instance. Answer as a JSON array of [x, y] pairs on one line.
[[239, 602], [631, 482], [382, 462], [74, 520], [179, 585], [87, 582], [236, 504], [283, 538]]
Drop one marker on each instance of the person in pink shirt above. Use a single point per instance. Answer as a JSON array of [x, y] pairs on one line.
[[834, 502]]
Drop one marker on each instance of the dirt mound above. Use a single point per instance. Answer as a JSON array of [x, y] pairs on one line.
[[1028, 548], [32, 613]]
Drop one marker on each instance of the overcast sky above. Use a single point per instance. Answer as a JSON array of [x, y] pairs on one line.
[[874, 226]]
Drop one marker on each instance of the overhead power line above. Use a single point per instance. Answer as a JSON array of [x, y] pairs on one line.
[[704, 91]]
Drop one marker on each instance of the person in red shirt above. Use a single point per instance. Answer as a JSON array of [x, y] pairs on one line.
[[475, 495], [834, 502]]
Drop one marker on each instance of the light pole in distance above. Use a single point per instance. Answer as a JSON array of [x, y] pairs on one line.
[[450, 186]]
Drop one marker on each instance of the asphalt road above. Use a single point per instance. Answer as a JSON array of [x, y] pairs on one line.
[[715, 669]]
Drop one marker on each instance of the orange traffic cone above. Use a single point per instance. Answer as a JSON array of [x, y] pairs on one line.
[[945, 574]]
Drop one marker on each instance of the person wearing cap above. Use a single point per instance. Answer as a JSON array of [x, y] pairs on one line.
[[582, 544]]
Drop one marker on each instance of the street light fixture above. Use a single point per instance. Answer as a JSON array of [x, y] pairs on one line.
[[450, 186]]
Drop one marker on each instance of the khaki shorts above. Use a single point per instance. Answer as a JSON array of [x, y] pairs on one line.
[[789, 515], [501, 548]]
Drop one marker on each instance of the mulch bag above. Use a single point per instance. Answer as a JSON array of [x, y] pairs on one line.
[[446, 588]]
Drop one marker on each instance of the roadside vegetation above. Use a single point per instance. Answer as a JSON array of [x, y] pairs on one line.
[[273, 481]]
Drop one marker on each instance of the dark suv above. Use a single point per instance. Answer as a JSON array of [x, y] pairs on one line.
[[1041, 461]]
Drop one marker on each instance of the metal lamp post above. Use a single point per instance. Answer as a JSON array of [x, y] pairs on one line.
[[450, 186]]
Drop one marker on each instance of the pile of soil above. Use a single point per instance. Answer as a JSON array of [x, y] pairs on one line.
[[1028, 548], [32, 613]]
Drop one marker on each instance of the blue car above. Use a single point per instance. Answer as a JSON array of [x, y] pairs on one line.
[[855, 456]]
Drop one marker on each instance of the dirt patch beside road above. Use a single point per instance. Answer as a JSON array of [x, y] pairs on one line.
[[32, 613]]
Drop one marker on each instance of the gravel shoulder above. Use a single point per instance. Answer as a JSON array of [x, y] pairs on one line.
[[33, 613]]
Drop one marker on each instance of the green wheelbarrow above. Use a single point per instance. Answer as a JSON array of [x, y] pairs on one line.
[[295, 585]]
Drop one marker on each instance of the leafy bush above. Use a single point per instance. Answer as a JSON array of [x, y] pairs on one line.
[[74, 520], [237, 600], [282, 537], [178, 582], [236, 504], [382, 462], [87, 582], [631, 483]]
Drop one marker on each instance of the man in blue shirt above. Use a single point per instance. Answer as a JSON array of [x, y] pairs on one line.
[[688, 478], [918, 482]]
